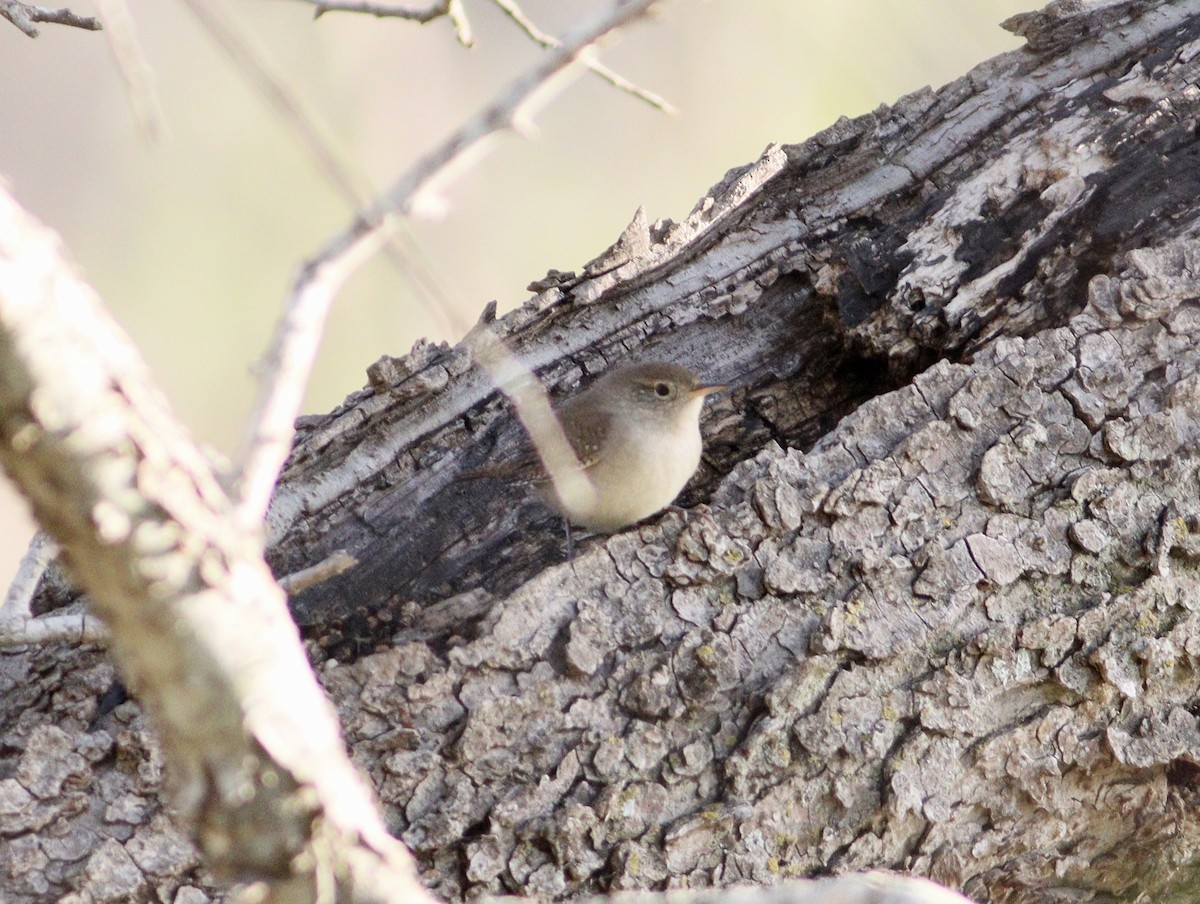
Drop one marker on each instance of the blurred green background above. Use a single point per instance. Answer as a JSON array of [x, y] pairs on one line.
[[192, 240]]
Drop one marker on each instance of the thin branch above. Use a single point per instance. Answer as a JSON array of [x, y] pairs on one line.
[[23, 15], [284, 373], [18, 628], [289, 360], [514, 12], [452, 9], [329, 567], [66, 628], [436, 11], [33, 564], [134, 68]]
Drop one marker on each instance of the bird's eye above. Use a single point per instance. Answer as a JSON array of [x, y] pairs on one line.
[[662, 390]]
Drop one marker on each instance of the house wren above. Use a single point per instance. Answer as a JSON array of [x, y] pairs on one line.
[[636, 434]]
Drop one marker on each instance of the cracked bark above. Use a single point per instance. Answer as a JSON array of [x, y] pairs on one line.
[[936, 611]]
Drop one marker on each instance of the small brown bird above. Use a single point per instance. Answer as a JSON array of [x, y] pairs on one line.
[[636, 435]]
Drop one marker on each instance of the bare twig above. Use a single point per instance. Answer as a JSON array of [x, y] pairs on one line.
[[329, 567], [23, 15], [134, 68], [452, 9], [18, 628], [514, 12], [76, 627], [284, 372], [289, 360], [380, 11], [16, 602]]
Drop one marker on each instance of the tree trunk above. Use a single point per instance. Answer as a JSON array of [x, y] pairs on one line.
[[931, 604]]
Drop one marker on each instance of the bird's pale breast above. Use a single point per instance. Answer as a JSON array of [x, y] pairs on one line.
[[642, 472]]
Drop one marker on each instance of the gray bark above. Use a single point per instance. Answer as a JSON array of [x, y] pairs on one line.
[[931, 605]]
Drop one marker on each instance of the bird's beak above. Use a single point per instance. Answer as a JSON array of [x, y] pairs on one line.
[[701, 391]]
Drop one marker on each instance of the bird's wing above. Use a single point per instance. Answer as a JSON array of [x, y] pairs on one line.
[[588, 439]]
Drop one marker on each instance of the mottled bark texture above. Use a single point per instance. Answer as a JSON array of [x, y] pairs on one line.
[[937, 611]]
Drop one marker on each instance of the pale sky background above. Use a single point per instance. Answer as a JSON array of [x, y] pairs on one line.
[[192, 240]]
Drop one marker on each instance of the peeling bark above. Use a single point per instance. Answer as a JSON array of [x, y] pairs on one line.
[[936, 613]]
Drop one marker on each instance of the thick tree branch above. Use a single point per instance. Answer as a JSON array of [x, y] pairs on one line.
[[198, 625]]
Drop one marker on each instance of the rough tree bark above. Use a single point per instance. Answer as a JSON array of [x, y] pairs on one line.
[[936, 612]]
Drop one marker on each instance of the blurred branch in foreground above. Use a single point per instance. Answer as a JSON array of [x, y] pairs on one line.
[[198, 625]]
